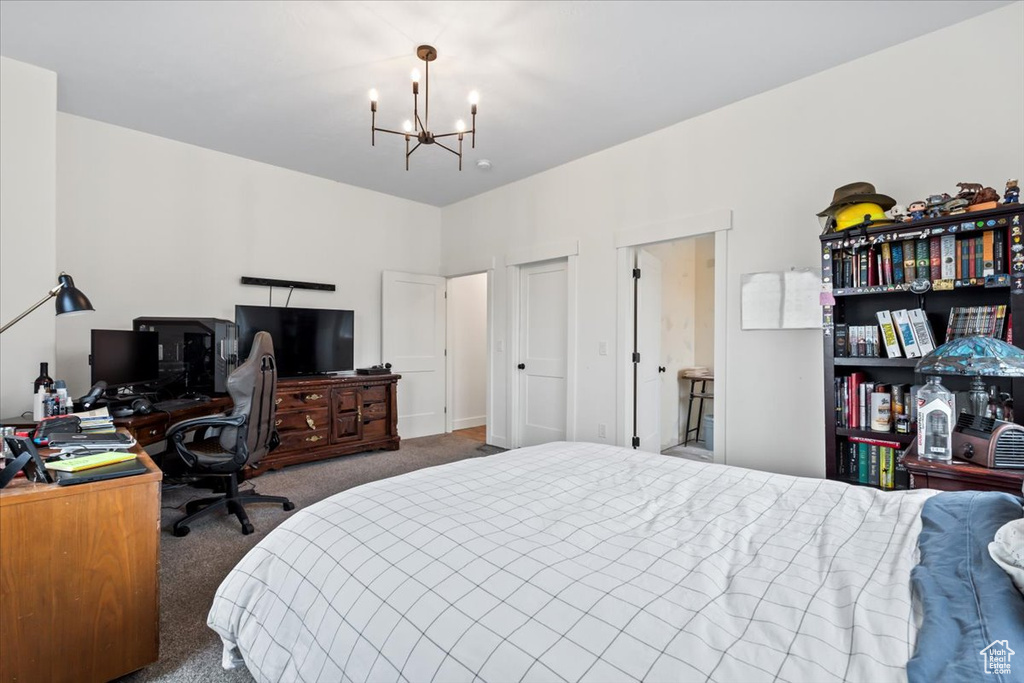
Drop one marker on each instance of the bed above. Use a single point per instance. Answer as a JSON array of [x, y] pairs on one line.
[[582, 562]]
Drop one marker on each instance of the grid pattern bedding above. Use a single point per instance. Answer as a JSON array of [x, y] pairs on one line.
[[581, 562]]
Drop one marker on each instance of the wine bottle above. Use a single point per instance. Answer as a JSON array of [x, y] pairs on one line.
[[44, 380]]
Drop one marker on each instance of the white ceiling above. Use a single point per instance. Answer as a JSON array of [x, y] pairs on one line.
[[286, 82]]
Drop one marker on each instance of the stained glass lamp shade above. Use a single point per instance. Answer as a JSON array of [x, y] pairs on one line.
[[975, 357]]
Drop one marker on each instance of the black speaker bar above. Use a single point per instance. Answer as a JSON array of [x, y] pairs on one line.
[[287, 284]]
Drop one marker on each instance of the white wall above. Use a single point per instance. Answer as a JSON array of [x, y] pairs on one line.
[[28, 157], [150, 226], [467, 349], [774, 160]]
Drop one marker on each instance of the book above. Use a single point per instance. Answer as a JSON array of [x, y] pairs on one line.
[[970, 274], [999, 252], [906, 334], [86, 462], [852, 464], [897, 263], [923, 259], [841, 344], [987, 254], [889, 341], [862, 268], [887, 467], [948, 254], [935, 258], [863, 457], [909, 261], [979, 256], [901, 477], [873, 464], [873, 269], [886, 271], [923, 334]]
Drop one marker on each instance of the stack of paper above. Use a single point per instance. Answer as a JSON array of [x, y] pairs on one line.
[[96, 421]]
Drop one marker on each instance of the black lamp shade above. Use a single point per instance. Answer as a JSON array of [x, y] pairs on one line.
[[70, 299]]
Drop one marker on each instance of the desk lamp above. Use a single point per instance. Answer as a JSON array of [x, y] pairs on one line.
[[69, 300], [975, 357]]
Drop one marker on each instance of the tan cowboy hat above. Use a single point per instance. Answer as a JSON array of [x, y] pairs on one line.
[[857, 193]]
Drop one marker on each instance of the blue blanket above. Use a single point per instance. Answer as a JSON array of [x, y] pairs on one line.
[[969, 602]]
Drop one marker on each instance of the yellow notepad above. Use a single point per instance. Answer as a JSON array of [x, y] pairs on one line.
[[86, 462]]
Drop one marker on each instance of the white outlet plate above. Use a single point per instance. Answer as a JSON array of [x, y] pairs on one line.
[[602, 348], [602, 431]]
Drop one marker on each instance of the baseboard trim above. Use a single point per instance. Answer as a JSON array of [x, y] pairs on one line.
[[467, 422]]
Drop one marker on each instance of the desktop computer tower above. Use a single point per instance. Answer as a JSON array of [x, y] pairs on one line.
[[196, 354]]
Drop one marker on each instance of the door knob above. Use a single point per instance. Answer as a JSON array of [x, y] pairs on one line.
[[661, 368], [521, 366]]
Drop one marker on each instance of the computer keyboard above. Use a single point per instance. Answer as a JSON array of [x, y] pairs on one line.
[[179, 403]]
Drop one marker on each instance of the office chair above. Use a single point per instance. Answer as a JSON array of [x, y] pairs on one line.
[[246, 435]]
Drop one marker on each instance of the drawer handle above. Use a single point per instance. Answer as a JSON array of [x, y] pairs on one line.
[[153, 432], [309, 421], [277, 401], [277, 422], [312, 397], [314, 438], [359, 413]]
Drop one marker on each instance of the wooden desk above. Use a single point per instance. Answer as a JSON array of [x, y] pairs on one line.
[[152, 428], [80, 578], [961, 476]]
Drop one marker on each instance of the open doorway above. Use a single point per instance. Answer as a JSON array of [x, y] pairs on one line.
[[675, 347], [467, 356]]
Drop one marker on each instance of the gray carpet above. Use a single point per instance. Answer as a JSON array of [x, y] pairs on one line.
[[192, 567]]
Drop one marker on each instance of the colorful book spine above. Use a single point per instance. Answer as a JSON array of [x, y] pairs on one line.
[[889, 341], [885, 275], [863, 460], [979, 256], [887, 467], [842, 349], [897, 263], [963, 254], [906, 333], [999, 252], [872, 267], [987, 254], [923, 334], [873, 464], [948, 252], [909, 261], [923, 258], [935, 258], [971, 274], [853, 463]]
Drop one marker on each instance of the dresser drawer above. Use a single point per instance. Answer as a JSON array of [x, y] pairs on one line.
[[302, 420], [300, 440], [345, 400], [375, 429], [374, 394], [375, 411], [309, 398]]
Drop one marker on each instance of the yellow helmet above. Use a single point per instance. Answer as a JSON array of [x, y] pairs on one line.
[[854, 214]]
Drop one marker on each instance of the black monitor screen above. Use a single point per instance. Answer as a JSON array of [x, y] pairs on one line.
[[122, 358], [307, 341]]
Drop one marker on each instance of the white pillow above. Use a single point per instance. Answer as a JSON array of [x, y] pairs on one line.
[[1007, 549]]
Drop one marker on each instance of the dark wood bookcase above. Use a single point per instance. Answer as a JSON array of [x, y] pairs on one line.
[[858, 306]]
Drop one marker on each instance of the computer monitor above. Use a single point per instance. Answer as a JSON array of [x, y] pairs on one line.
[[124, 358]]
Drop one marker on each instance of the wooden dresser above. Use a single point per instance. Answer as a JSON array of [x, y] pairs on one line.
[[961, 476], [324, 417], [80, 578]]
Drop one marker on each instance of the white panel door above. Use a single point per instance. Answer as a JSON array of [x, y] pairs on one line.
[[413, 341], [648, 338], [543, 350]]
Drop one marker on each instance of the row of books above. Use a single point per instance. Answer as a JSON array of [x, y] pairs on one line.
[[898, 333], [874, 406], [872, 462], [987, 321], [945, 257]]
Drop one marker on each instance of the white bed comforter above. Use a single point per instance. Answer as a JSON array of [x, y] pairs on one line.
[[580, 562]]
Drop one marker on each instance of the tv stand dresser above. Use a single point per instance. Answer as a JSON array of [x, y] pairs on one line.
[[317, 418], [324, 417]]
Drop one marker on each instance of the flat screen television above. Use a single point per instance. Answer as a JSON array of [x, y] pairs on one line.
[[307, 341]]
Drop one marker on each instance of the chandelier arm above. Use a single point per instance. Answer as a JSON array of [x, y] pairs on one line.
[[441, 144], [419, 123], [409, 153], [393, 132], [447, 135]]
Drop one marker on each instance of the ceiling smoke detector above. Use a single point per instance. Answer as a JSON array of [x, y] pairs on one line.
[[484, 164]]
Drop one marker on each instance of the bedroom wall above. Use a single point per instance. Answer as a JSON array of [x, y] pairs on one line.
[[28, 107], [150, 226], [774, 160], [467, 349]]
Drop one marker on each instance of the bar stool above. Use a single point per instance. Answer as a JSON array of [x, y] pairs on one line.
[[695, 376]]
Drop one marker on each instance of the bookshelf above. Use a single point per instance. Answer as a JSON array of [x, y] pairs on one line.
[[858, 299]]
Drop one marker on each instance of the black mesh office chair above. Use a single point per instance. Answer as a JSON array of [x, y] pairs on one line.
[[246, 435]]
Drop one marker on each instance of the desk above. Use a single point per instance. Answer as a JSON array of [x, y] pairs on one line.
[[152, 428], [79, 578]]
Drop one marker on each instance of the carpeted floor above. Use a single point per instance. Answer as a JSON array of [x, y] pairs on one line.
[[193, 567]]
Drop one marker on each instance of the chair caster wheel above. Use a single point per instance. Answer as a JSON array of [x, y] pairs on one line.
[[180, 531], [289, 506], [247, 529]]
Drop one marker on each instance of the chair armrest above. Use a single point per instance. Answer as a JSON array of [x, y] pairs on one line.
[[219, 420], [176, 432]]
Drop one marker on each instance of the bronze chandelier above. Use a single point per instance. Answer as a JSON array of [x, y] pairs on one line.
[[420, 128]]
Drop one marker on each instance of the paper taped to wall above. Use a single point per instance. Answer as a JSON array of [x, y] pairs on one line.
[[787, 300]]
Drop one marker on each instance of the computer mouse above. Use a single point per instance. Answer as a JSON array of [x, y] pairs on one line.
[[142, 406]]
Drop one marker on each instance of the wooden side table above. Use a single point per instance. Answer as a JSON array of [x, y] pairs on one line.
[[961, 476]]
